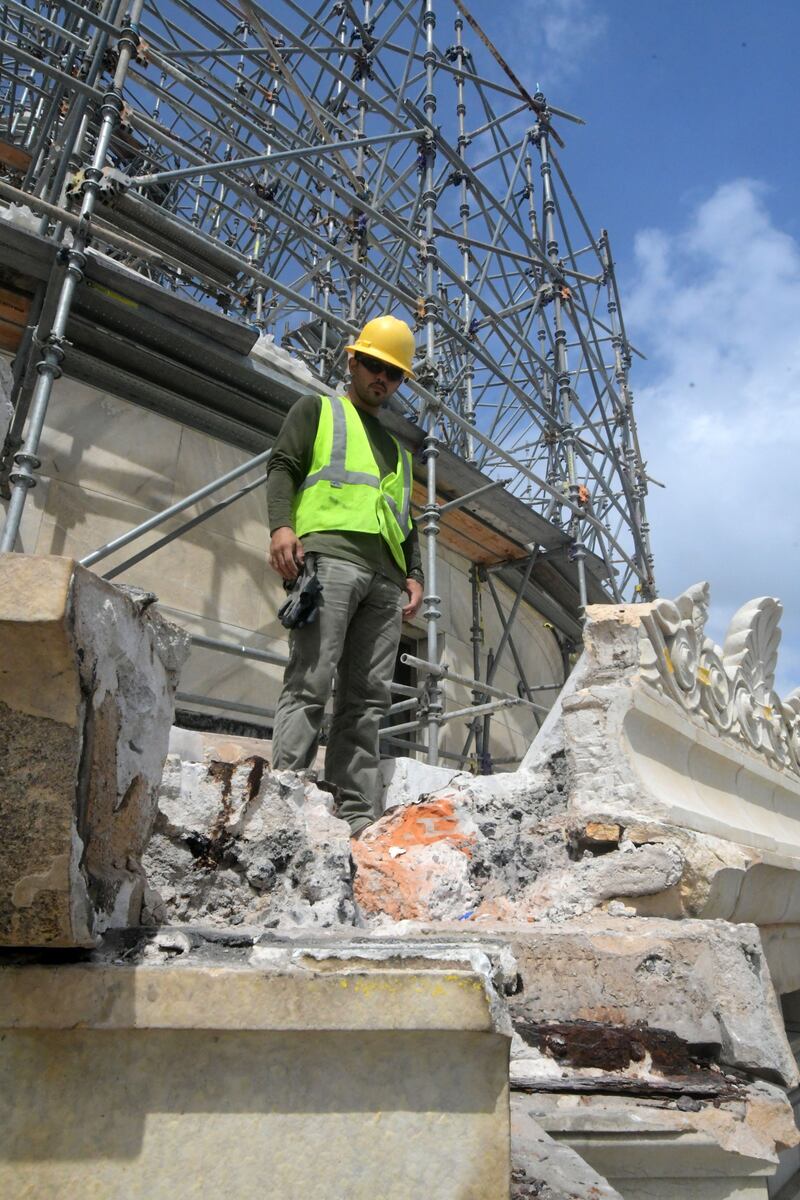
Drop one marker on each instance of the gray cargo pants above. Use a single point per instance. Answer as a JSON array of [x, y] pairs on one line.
[[357, 630]]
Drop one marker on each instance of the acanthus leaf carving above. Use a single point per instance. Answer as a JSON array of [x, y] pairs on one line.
[[791, 715], [752, 642], [693, 606], [730, 688]]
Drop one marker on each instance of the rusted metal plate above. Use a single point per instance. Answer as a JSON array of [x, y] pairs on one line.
[[631, 1059]]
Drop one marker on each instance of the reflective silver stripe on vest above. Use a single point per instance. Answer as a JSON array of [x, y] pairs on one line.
[[402, 516], [335, 472]]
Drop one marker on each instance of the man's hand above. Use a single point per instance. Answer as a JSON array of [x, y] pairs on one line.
[[286, 553], [415, 595]]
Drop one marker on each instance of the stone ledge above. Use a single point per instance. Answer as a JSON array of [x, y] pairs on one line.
[[188, 1080], [178, 997], [181, 981]]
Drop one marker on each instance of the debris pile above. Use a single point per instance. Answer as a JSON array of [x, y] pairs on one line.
[[235, 843]]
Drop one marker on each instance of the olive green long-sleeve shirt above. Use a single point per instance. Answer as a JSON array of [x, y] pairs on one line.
[[289, 465]]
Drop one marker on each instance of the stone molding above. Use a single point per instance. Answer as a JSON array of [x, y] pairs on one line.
[[729, 689], [665, 736]]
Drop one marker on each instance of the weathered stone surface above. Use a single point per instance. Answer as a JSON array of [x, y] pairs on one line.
[[631, 872], [651, 748], [87, 679], [441, 858], [476, 853], [337, 1075], [405, 780], [705, 982], [668, 1149], [237, 843], [543, 1169]]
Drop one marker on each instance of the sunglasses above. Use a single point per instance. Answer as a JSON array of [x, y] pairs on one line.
[[376, 367]]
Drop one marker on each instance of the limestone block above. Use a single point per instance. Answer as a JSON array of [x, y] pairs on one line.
[[405, 780], [97, 441], [723, 1150], [333, 1076], [672, 738], [544, 1169], [236, 842], [782, 950], [194, 567], [87, 678], [201, 459], [705, 982]]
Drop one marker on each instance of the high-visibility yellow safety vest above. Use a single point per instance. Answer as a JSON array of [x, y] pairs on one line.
[[343, 488]]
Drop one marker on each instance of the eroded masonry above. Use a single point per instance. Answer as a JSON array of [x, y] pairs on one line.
[[578, 979]]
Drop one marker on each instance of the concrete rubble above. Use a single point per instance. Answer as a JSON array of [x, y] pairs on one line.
[[237, 843], [87, 679]]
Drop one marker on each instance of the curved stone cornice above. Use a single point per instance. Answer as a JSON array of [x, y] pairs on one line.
[[730, 689]]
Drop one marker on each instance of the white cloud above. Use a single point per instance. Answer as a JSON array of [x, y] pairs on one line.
[[716, 308], [557, 35]]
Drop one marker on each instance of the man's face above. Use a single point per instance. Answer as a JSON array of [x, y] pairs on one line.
[[370, 384]]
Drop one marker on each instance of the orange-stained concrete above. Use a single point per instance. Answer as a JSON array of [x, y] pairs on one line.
[[396, 869]]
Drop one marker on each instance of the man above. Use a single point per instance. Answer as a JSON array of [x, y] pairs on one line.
[[339, 488]]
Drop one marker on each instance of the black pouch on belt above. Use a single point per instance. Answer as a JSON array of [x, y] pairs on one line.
[[301, 605]]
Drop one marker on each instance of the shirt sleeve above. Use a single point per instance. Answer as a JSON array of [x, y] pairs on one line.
[[290, 460], [413, 554]]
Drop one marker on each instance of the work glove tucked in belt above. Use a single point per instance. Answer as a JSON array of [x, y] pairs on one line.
[[302, 603]]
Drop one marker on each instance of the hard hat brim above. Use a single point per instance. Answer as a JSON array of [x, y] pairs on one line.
[[382, 356]]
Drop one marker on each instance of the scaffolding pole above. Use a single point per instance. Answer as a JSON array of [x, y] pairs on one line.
[[294, 168], [26, 462]]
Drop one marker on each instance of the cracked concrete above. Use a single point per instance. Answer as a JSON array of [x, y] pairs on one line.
[[237, 843]]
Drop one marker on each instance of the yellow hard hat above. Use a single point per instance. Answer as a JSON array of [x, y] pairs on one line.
[[388, 339]]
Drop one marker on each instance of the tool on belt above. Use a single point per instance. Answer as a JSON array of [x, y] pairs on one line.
[[302, 604]]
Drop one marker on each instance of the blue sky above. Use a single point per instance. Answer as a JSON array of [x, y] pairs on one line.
[[689, 158]]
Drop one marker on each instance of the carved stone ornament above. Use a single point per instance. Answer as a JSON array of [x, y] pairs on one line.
[[730, 688]]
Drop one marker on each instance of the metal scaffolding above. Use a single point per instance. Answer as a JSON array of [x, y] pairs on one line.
[[303, 172]]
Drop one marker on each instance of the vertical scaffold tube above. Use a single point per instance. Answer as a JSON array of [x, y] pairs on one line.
[[476, 633], [26, 462], [259, 317], [460, 55], [429, 376], [66, 149], [631, 457], [359, 219], [537, 273], [561, 363]]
